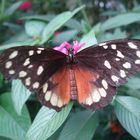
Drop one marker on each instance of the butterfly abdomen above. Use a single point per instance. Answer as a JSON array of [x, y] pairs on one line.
[[73, 86]]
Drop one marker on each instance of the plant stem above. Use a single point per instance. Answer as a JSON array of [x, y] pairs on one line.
[[2, 6], [84, 14]]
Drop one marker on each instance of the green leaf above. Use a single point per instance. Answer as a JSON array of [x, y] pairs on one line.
[[20, 94], [13, 8], [34, 28], [47, 122], [44, 18], [77, 10], [71, 23], [81, 126], [118, 34], [1, 80], [57, 22], [65, 36], [89, 39], [120, 20], [11, 125], [137, 36], [136, 8], [3, 138], [16, 44], [128, 113], [19, 37], [74, 24], [133, 83], [85, 27]]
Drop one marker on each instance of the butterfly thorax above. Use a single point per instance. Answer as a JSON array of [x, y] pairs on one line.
[[71, 59]]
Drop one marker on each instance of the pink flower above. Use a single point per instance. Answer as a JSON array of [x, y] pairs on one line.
[[65, 45], [116, 127], [25, 6], [19, 21], [56, 33]]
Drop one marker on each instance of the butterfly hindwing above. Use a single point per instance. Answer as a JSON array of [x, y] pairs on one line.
[[114, 61], [33, 66], [57, 93]]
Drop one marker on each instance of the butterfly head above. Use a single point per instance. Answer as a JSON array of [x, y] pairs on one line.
[[70, 55]]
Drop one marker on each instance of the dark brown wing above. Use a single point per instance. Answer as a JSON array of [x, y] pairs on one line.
[[34, 66], [113, 62]]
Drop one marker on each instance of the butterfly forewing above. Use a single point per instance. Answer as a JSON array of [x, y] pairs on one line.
[[113, 61], [34, 66]]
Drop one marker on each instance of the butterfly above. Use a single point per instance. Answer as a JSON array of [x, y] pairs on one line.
[[90, 76]]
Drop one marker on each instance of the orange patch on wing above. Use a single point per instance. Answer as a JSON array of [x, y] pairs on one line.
[[62, 81], [84, 77]]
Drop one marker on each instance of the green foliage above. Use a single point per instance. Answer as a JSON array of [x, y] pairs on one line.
[[81, 126], [47, 122], [34, 28], [127, 111], [65, 36], [50, 30], [18, 98], [11, 124], [56, 23], [126, 18]]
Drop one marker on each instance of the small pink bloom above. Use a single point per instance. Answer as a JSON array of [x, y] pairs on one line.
[[116, 127], [25, 6], [65, 45], [19, 21], [56, 33]]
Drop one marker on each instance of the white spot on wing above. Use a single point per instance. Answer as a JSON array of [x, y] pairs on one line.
[[103, 93], [60, 103], [31, 52], [41, 48], [132, 45], [39, 51], [138, 53], [127, 65], [40, 70], [28, 81], [119, 54], [30, 66], [48, 95], [27, 61], [13, 54], [113, 46], [104, 83], [96, 96], [8, 64], [11, 72], [54, 99], [101, 44], [122, 73], [114, 78], [105, 46], [36, 85], [89, 100], [117, 59], [107, 64], [137, 61], [45, 87], [22, 74]]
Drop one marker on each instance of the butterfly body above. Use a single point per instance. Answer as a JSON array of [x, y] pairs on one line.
[[89, 76]]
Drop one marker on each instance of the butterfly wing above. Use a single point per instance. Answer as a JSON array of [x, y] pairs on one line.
[[34, 66], [111, 62]]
